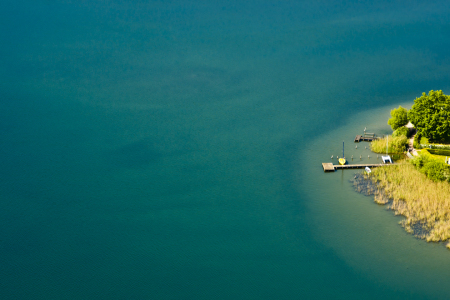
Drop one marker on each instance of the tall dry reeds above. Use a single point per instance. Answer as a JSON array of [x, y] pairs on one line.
[[424, 204], [395, 144]]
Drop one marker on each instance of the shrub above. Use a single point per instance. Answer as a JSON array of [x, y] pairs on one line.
[[420, 161], [436, 170], [416, 143], [402, 131], [423, 140], [399, 144]]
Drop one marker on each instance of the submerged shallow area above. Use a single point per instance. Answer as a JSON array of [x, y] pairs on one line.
[[366, 235], [407, 192], [425, 204], [172, 149]]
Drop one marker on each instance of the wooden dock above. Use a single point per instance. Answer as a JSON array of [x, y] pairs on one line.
[[329, 167], [360, 138]]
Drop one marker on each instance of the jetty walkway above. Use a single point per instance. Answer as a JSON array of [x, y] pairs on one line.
[[367, 137], [329, 167]]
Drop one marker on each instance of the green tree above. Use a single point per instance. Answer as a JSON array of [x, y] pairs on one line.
[[399, 117], [401, 131], [430, 115]]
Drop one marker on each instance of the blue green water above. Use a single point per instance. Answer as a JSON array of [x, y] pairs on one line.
[[173, 149]]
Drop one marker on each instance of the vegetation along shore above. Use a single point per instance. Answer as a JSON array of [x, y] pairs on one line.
[[417, 187]]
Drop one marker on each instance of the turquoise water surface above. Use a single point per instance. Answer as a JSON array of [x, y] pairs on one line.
[[173, 149]]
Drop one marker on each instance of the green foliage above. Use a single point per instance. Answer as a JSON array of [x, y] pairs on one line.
[[420, 161], [416, 143], [430, 115], [399, 117], [433, 168], [436, 170], [424, 140], [401, 131], [396, 145], [439, 152]]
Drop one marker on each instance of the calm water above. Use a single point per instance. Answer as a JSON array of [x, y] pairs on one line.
[[172, 150]]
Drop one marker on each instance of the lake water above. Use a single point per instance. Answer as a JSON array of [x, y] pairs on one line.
[[173, 149]]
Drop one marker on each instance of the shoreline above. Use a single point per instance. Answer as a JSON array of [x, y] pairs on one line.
[[358, 231], [420, 201]]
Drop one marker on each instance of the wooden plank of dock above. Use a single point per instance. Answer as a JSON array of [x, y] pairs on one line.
[[329, 167], [360, 138], [358, 166]]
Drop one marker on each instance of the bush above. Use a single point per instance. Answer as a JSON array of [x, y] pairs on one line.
[[399, 144], [424, 140], [420, 161], [416, 143], [434, 169], [402, 131]]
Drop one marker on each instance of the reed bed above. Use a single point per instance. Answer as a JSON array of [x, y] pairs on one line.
[[424, 204], [395, 144]]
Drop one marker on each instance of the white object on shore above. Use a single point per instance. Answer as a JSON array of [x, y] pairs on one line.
[[386, 159], [368, 170]]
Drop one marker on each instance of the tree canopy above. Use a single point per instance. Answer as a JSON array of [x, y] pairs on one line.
[[399, 117], [401, 131], [430, 115]]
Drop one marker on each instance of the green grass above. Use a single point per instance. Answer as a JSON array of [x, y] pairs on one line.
[[439, 152], [436, 156]]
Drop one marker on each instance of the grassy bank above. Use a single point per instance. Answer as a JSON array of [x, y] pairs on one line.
[[425, 204], [435, 156], [395, 144]]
